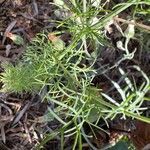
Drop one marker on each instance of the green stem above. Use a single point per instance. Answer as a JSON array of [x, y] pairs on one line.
[[108, 17]]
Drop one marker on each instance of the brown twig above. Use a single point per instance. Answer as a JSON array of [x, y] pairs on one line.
[[134, 23]]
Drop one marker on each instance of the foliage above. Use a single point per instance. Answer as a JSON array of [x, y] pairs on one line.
[[67, 73], [24, 75]]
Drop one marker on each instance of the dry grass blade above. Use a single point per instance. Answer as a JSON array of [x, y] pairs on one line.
[[3, 133], [28, 133], [4, 120], [21, 113]]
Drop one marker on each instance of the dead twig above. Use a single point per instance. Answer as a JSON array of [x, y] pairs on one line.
[[27, 130], [3, 132], [16, 105], [36, 11], [143, 26], [6, 107]]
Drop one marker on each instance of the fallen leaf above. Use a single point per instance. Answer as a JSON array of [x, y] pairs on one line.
[[18, 40], [141, 135], [56, 41]]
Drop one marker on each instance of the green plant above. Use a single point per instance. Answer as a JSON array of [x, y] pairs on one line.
[[70, 87], [68, 72], [24, 75], [123, 143]]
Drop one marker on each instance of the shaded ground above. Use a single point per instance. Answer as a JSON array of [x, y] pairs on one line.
[[21, 122]]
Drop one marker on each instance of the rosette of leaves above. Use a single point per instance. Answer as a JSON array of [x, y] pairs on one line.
[[18, 78]]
